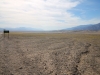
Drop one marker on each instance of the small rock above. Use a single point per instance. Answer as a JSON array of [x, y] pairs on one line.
[[20, 68]]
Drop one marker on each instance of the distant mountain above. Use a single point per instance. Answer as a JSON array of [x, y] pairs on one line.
[[21, 29], [92, 27], [1, 29]]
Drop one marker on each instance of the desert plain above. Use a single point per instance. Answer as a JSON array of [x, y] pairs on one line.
[[50, 54]]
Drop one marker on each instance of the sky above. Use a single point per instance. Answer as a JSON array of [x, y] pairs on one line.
[[48, 14]]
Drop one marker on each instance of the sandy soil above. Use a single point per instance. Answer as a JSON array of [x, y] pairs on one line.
[[50, 55]]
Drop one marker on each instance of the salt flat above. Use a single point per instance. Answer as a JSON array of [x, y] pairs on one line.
[[50, 54]]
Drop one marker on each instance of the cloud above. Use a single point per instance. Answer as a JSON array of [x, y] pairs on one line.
[[44, 14]]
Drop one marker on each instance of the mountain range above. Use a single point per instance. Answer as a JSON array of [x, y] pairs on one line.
[[21, 29], [91, 27]]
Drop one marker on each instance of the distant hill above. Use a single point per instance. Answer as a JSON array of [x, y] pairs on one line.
[[21, 29], [1, 29], [92, 27]]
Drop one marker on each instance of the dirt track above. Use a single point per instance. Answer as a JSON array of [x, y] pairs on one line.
[[49, 55]]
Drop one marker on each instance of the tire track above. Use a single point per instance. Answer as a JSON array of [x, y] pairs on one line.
[[16, 56], [5, 58], [81, 55], [11, 58], [1, 37]]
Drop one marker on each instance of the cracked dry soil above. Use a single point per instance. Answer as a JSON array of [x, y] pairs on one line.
[[49, 55]]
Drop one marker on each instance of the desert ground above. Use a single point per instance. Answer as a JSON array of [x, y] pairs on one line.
[[50, 54]]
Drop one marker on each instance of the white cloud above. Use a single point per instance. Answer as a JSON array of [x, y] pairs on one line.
[[44, 14]]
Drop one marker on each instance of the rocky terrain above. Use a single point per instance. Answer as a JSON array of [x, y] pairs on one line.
[[50, 54]]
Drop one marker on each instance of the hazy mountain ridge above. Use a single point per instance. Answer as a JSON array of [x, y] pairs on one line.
[[21, 29], [92, 27]]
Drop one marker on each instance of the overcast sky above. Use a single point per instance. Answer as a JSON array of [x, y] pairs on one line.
[[48, 14]]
